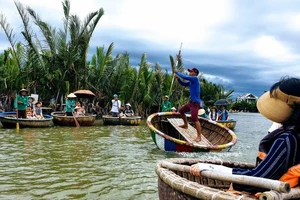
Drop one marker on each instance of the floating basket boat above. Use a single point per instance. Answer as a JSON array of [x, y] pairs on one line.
[[176, 183]]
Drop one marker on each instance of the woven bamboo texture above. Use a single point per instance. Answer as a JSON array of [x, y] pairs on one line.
[[215, 137], [189, 133], [178, 183]]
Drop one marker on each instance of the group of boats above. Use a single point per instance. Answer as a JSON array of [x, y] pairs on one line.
[[59, 118]]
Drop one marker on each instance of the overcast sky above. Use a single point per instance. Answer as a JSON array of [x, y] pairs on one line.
[[244, 45]]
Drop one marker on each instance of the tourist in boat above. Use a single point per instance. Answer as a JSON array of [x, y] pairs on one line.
[[20, 103], [202, 113], [116, 106], [30, 107], [223, 114], [279, 153], [70, 104], [128, 112], [80, 110], [37, 111], [213, 114], [193, 105], [166, 104], [173, 109]]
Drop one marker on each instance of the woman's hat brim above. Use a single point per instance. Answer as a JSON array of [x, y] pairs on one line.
[[274, 109]]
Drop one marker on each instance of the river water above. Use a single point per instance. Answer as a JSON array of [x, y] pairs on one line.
[[100, 162]]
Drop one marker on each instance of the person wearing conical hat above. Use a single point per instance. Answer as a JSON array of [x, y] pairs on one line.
[[166, 104], [279, 151], [20, 103], [70, 104]]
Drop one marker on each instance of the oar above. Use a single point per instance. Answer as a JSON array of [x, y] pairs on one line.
[[76, 122], [173, 68], [17, 124]]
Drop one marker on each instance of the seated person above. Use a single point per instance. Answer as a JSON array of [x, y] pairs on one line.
[[127, 112], [78, 111], [202, 113], [37, 111], [223, 114], [173, 109], [213, 114], [30, 107], [81, 110]]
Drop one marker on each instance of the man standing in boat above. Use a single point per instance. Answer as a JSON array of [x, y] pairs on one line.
[[21, 102], [193, 105]]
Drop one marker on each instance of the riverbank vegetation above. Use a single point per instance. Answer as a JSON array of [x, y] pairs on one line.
[[52, 62]]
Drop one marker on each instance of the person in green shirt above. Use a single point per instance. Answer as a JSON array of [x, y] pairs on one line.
[[70, 104], [20, 103], [166, 104]]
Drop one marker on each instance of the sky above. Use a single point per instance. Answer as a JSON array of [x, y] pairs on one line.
[[243, 45]]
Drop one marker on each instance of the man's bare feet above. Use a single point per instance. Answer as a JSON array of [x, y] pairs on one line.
[[198, 139], [183, 126]]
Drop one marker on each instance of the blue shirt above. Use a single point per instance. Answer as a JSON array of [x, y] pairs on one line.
[[193, 83]]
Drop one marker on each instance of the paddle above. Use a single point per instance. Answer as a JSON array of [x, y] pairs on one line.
[[76, 122], [17, 124], [173, 66]]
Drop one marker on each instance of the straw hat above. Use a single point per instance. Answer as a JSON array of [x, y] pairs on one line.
[[128, 104], [71, 95], [23, 90], [166, 96], [201, 111], [278, 107], [173, 108]]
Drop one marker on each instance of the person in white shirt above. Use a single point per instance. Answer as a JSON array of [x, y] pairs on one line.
[[116, 106]]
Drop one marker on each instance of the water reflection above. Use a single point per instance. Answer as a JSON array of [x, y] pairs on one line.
[[99, 162]]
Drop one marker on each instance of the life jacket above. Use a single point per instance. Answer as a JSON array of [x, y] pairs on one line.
[[293, 174]]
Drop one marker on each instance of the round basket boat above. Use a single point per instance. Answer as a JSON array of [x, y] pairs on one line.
[[127, 121], [60, 119], [9, 120], [175, 182], [168, 136]]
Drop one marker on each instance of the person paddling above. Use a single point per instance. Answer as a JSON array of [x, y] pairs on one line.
[[193, 105]]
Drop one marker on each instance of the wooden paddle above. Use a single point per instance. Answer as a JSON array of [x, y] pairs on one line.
[[76, 122], [173, 66], [17, 124]]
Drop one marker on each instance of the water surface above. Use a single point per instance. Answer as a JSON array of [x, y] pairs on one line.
[[100, 162]]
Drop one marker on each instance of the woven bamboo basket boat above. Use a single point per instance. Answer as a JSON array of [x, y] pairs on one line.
[[229, 124], [176, 183], [168, 136], [9, 120], [60, 119], [127, 121]]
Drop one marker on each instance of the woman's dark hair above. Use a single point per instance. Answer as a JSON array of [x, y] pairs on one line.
[[290, 86]]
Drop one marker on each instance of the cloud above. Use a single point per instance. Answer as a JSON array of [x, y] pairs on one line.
[[244, 45]]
